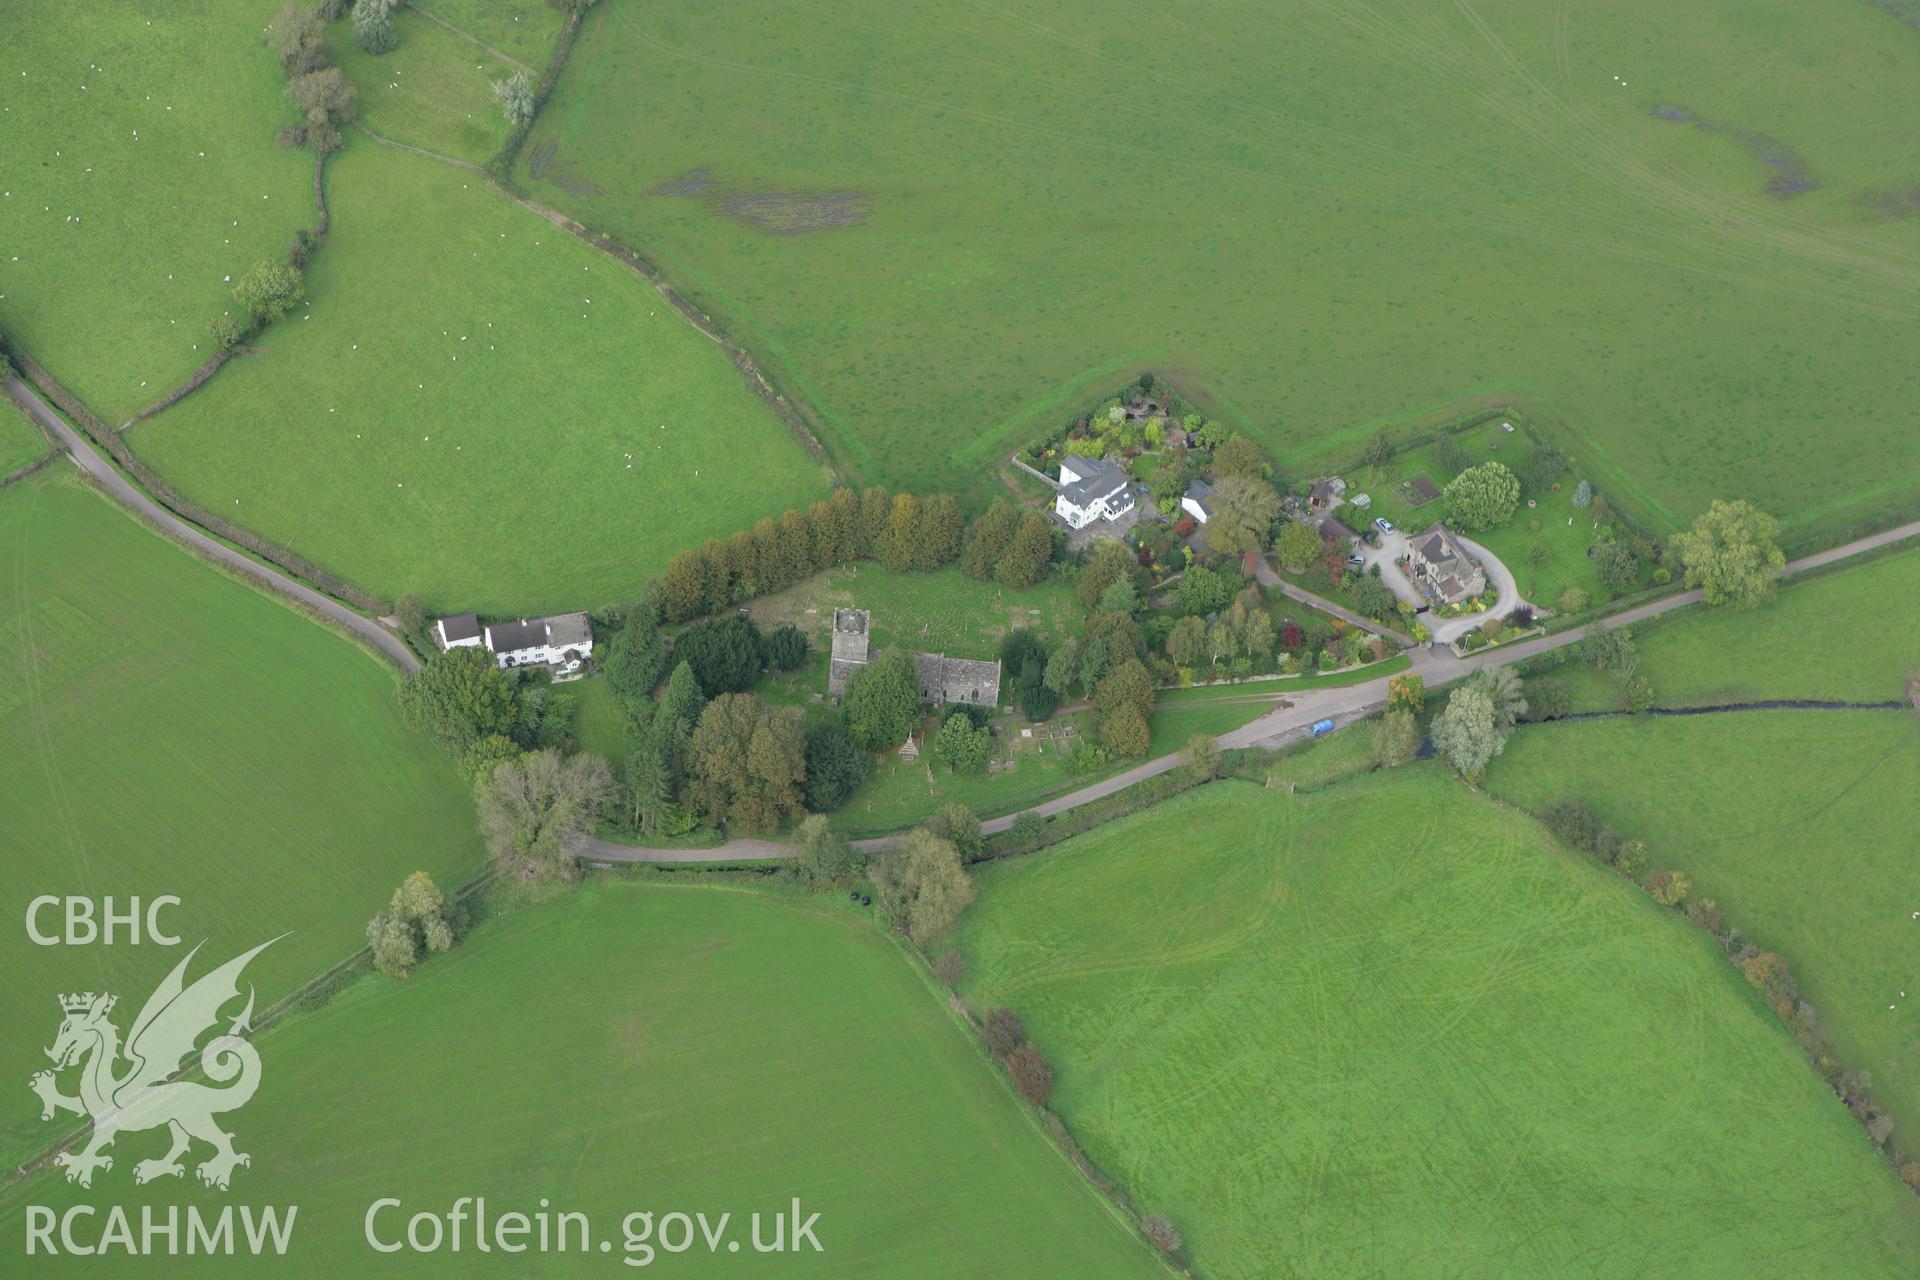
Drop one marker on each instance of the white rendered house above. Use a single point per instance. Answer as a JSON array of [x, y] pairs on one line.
[[1091, 491], [564, 640]]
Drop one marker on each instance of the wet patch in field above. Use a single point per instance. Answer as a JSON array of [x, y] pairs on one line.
[[1892, 205], [1790, 174], [1907, 11], [544, 162], [774, 211]]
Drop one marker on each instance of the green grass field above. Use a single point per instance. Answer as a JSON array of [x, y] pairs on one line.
[[166, 730], [521, 29], [1799, 824], [656, 1048], [20, 442], [433, 90], [479, 408], [137, 135], [1321, 216], [1850, 635], [1392, 1030]]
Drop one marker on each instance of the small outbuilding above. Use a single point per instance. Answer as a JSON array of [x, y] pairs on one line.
[[1198, 501]]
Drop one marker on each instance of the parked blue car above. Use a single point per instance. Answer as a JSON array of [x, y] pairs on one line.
[[1323, 727]]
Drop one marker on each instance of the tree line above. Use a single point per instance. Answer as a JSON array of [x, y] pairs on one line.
[[904, 532]]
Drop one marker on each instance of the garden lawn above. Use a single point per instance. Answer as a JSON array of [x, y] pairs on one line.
[[141, 174], [479, 408], [1390, 1029], [1565, 531], [599, 719], [521, 29], [434, 89], [167, 730], [949, 232], [655, 1048], [1799, 824]]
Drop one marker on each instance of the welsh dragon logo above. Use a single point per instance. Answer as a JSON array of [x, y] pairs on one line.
[[140, 1096]]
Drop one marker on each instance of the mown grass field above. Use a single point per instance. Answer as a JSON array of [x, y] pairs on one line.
[[947, 229], [479, 408], [137, 136], [20, 442], [1799, 824], [1390, 1029], [658, 1048], [433, 90], [166, 730], [1850, 635]]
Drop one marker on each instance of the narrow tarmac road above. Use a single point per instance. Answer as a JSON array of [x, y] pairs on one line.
[[1284, 725], [1272, 731], [83, 455]]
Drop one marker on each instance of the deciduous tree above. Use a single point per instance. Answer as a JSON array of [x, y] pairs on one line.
[[1244, 507], [1298, 546], [269, 290], [533, 809], [745, 762], [963, 747], [1237, 457], [1394, 738], [1732, 554], [460, 697], [1467, 733], [1482, 497], [823, 858], [1124, 732], [921, 885], [516, 97]]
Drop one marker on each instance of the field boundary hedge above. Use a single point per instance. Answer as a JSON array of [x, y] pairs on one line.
[[1574, 823], [503, 160], [31, 469], [114, 446], [757, 379]]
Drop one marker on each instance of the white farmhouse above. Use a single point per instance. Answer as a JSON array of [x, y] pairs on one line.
[[1091, 491], [564, 640]]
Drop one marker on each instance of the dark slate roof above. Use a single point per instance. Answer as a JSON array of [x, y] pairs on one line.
[[462, 626], [1436, 547], [944, 679], [1097, 480], [1201, 492], [506, 637]]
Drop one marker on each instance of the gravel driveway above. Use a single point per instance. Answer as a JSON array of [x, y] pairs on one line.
[[1393, 547]]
